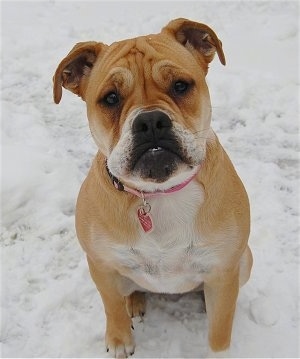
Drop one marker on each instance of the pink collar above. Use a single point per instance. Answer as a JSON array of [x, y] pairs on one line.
[[143, 211], [121, 187]]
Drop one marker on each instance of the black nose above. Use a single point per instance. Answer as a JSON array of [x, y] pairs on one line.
[[152, 124]]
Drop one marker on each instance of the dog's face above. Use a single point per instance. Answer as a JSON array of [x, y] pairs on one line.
[[147, 101]]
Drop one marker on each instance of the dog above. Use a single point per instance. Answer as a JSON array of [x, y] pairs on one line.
[[162, 208]]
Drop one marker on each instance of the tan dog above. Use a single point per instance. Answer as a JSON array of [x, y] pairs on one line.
[[162, 208]]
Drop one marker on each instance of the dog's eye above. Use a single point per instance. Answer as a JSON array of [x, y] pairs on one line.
[[111, 99], [180, 87]]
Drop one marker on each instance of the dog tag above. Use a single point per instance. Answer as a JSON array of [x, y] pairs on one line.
[[145, 220]]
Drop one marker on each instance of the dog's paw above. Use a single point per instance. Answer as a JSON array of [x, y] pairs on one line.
[[222, 354], [136, 304], [120, 346]]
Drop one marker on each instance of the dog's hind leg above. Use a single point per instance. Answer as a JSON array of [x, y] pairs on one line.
[[136, 304], [245, 266]]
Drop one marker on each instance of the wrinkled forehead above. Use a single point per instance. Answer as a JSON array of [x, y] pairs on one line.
[[147, 48], [160, 71], [155, 58]]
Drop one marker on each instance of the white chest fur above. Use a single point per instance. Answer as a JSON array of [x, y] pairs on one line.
[[173, 257]]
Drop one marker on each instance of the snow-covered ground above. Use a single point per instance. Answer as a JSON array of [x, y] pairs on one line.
[[50, 307]]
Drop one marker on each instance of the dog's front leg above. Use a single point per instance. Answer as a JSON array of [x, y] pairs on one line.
[[118, 338], [220, 298]]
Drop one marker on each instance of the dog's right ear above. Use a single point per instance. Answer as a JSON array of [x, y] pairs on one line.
[[74, 70], [197, 38]]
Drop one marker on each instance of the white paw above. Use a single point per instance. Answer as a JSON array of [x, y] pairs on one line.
[[223, 354], [121, 351], [120, 345]]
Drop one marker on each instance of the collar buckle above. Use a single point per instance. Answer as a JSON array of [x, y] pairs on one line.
[[115, 181]]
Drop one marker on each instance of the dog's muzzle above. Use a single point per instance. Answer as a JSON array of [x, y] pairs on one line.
[[156, 152]]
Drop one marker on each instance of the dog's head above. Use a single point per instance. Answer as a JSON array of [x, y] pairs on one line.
[[147, 101]]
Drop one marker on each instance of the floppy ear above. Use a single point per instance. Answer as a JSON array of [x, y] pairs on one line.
[[196, 36], [74, 70]]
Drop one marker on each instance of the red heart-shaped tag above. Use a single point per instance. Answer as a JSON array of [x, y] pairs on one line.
[[145, 220]]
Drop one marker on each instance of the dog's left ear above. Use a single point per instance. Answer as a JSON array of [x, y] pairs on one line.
[[74, 70], [196, 36]]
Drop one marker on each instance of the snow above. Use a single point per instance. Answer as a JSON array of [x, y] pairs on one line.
[[50, 307]]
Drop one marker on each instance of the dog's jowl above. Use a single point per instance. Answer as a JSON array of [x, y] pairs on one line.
[[162, 208]]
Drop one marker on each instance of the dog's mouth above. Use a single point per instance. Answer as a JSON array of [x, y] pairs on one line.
[[157, 163], [154, 153]]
